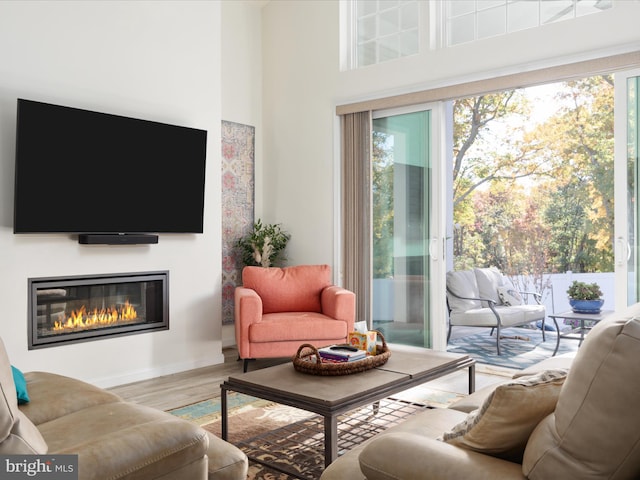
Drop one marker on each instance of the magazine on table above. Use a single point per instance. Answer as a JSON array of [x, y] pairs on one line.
[[341, 353]]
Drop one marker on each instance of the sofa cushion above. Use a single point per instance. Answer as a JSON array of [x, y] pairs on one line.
[[289, 289], [462, 284], [17, 434], [225, 461], [126, 440], [428, 424], [53, 396], [503, 423], [595, 429]]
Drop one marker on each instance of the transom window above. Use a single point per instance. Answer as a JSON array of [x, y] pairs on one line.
[[384, 30], [377, 31], [468, 20]]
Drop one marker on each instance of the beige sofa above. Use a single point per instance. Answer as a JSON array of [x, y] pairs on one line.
[[586, 426], [113, 439]]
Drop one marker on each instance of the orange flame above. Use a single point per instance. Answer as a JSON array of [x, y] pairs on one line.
[[81, 319]]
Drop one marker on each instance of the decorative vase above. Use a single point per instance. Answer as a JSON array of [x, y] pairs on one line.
[[586, 306]]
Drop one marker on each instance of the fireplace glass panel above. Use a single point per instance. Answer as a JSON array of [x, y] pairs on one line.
[[69, 309]]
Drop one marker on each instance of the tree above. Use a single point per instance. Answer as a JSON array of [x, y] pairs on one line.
[[476, 160], [535, 198], [486, 170], [382, 185], [580, 137]]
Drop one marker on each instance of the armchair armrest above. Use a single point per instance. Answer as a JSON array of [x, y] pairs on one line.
[[339, 303], [490, 303], [248, 310], [480, 299], [408, 456]]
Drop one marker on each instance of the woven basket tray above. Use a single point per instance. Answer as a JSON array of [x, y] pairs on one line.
[[308, 360]]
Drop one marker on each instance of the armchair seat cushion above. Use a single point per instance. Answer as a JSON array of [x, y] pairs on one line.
[[300, 326]]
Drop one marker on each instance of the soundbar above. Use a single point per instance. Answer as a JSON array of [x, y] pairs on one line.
[[116, 239]]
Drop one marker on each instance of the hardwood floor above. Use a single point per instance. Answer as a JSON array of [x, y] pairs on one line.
[[180, 389]]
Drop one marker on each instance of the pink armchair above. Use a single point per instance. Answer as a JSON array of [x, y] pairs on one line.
[[278, 309]]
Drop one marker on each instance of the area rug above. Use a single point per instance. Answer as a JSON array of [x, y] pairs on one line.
[[286, 443], [519, 347]]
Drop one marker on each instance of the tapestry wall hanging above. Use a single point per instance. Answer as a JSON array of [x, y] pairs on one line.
[[238, 146]]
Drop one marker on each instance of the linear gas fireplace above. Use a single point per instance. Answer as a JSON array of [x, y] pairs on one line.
[[65, 310]]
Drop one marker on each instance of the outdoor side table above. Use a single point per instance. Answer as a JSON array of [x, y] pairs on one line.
[[577, 333]]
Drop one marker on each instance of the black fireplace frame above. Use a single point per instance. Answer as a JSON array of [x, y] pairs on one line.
[[101, 333]]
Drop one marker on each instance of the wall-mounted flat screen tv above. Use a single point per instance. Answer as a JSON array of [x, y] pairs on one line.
[[86, 172]]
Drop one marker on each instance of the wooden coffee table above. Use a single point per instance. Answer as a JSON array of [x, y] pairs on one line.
[[331, 396]]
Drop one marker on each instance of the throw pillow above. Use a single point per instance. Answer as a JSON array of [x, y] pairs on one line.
[[503, 423], [509, 296], [21, 386]]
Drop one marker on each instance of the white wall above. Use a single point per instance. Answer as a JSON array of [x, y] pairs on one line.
[[303, 85], [242, 87], [300, 72], [153, 60]]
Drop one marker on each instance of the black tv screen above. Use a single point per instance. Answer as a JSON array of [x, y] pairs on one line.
[[79, 171]]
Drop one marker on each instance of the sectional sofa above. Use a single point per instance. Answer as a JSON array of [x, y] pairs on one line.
[[113, 439], [580, 422]]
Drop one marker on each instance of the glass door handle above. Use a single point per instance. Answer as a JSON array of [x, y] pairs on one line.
[[433, 248], [623, 251]]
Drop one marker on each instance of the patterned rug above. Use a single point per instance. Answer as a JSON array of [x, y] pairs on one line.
[[519, 347], [291, 441]]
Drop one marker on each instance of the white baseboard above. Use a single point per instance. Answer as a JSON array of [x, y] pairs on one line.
[[130, 377], [228, 336]]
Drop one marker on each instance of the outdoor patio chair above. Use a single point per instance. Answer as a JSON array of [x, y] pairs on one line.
[[483, 297]]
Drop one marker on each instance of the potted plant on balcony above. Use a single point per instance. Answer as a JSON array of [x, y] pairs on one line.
[[264, 245], [585, 297]]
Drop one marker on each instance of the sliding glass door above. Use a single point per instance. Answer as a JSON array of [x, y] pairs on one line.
[[627, 183], [402, 221]]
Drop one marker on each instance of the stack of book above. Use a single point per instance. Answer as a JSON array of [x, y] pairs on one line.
[[341, 353]]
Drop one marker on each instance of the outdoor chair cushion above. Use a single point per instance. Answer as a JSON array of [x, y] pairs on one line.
[[463, 284], [489, 280]]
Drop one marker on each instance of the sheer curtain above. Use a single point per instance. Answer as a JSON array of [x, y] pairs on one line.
[[356, 209]]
